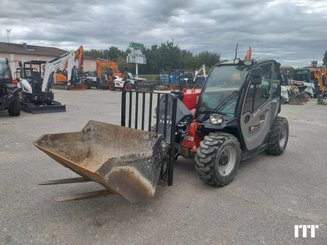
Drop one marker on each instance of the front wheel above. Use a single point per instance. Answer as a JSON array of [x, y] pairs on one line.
[[14, 108], [217, 159], [127, 87], [111, 86], [278, 136]]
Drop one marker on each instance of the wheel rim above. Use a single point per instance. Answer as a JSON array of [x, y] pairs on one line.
[[127, 88], [282, 136], [226, 161]]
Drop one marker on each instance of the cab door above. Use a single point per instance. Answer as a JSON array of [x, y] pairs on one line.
[[257, 109]]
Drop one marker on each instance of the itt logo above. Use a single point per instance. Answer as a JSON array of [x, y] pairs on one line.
[[305, 231]]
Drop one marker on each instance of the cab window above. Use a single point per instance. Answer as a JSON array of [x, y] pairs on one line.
[[257, 95]]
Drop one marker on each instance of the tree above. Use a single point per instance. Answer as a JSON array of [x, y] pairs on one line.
[[168, 56], [207, 58]]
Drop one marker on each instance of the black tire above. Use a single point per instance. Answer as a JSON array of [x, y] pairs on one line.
[[86, 82], [127, 86], [111, 86], [282, 100], [211, 157], [14, 108], [278, 136]]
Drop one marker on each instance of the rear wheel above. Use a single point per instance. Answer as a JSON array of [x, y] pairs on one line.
[[278, 136], [87, 84], [217, 159], [111, 86], [14, 108]]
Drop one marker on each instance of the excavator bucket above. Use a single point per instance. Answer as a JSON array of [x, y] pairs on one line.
[[125, 161]]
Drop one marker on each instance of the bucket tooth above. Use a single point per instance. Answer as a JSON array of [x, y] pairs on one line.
[[86, 195], [65, 181]]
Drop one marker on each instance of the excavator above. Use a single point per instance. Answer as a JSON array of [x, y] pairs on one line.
[[321, 76], [68, 70], [107, 71], [37, 80], [234, 118]]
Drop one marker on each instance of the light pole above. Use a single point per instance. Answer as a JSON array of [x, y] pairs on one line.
[[8, 31]]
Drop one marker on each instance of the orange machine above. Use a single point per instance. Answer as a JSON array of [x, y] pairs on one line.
[[319, 74], [60, 77], [107, 71]]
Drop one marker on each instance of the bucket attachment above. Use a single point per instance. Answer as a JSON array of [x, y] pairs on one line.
[[125, 161]]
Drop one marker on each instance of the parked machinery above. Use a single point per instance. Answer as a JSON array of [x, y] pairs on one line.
[[107, 71], [36, 81], [304, 81], [9, 92], [321, 78], [68, 70], [126, 83]]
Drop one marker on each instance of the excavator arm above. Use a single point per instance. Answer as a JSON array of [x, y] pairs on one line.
[[52, 66], [68, 61]]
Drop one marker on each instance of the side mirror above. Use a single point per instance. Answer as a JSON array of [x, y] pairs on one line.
[[20, 64], [255, 76]]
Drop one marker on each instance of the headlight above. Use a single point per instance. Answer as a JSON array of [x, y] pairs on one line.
[[216, 119], [248, 62], [237, 61]]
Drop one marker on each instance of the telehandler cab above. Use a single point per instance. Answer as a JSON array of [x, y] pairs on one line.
[[234, 118]]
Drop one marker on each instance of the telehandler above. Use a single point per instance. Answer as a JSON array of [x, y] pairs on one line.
[[235, 117]]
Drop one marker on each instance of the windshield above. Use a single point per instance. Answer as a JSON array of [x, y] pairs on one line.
[[301, 76], [218, 94], [4, 71]]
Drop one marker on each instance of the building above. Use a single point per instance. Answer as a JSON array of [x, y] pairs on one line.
[[23, 52]]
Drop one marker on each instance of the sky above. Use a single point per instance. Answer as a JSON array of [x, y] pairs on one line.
[[293, 32]]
